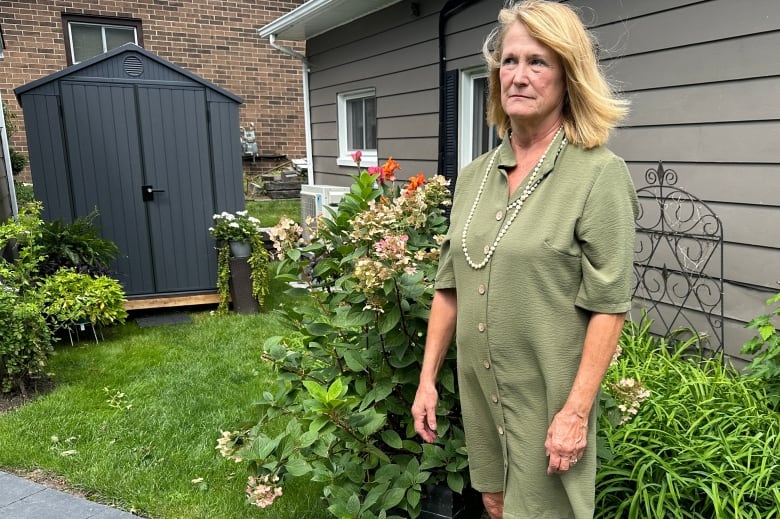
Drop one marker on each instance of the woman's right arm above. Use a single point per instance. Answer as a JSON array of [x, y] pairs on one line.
[[441, 329]]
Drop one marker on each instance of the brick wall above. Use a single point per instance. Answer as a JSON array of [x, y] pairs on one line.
[[215, 39]]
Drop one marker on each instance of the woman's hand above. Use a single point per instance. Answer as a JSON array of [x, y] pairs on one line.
[[566, 440], [424, 412]]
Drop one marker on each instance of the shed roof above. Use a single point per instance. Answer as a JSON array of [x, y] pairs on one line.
[[124, 49], [315, 17]]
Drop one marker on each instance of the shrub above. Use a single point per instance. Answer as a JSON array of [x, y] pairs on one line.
[[24, 193], [77, 245], [70, 298], [765, 345], [26, 340], [348, 371], [22, 235], [704, 444]]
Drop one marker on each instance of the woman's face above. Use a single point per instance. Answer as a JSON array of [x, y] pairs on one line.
[[532, 80]]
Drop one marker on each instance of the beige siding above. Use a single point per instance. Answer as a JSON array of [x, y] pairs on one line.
[[702, 76], [703, 79]]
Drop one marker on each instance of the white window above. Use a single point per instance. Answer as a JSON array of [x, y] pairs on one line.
[[357, 127], [476, 137], [87, 38]]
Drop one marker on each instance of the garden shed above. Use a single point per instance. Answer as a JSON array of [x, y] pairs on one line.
[[154, 148]]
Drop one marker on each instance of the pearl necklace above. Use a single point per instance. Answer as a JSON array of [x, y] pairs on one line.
[[530, 187]]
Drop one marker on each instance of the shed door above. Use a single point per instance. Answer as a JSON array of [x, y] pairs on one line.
[[123, 136]]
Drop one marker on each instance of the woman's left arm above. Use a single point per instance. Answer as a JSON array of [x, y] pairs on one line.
[[567, 435]]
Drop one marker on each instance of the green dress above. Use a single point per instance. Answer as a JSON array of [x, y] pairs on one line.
[[522, 317]]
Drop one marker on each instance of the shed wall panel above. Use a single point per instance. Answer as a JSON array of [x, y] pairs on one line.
[[107, 172], [48, 159], [226, 157], [175, 149]]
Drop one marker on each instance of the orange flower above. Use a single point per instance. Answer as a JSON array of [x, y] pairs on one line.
[[389, 168], [415, 182]]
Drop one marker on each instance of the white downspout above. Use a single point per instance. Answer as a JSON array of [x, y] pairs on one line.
[[9, 174], [306, 102]]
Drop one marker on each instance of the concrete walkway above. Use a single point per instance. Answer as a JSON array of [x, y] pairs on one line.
[[24, 499]]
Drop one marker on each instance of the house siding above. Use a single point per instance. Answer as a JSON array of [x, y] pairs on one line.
[[215, 39], [702, 77]]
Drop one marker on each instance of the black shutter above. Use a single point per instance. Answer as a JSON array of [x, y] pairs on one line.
[[449, 162]]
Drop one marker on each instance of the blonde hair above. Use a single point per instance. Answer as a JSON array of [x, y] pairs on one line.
[[591, 108]]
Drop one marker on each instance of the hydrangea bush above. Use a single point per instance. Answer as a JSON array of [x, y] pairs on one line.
[[348, 368]]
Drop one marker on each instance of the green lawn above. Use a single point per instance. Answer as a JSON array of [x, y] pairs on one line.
[[269, 211], [134, 419]]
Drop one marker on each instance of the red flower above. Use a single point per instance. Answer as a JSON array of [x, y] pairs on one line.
[[357, 156]]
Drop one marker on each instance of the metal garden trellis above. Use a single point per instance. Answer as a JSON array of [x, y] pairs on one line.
[[678, 262]]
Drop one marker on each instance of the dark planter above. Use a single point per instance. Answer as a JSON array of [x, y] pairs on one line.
[[241, 287], [439, 502]]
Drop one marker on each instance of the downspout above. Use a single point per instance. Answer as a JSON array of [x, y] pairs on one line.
[[450, 9], [11, 209], [306, 102]]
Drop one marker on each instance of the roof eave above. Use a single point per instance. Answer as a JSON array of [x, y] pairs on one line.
[[316, 17]]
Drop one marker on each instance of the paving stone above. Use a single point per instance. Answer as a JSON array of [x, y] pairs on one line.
[[24, 499]]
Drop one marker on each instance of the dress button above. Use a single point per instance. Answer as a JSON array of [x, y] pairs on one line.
[[500, 430], [494, 398], [486, 364], [500, 215], [482, 290], [481, 327], [486, 250]]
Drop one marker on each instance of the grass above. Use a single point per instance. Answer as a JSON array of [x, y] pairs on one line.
[[134, 419], [270, 211]]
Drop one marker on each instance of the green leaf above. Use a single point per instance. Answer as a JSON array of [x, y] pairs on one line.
[[373, 495], [392, 438], [316, 391], [354, 360], [393, 497], [389, 320], [319, 329], [767, 331], [297, 467], [455, 482], [336, 390], [353, 505], [413, 496]]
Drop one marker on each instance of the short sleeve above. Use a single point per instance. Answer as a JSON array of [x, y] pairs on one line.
[[445, 275], [606, 231]]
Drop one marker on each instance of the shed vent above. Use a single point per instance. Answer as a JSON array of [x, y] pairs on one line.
[[134, 67]]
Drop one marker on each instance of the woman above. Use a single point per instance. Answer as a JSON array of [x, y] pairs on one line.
[[536, 270]]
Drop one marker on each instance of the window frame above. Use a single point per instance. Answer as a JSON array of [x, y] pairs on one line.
[[102, 22], [369, 156], [468, 78]]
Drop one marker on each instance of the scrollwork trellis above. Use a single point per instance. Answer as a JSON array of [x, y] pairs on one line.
[[678, 261]]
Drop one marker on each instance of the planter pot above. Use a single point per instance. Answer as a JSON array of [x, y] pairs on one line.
[[241, 287], [439, 502], [442, 503], [240, 249]]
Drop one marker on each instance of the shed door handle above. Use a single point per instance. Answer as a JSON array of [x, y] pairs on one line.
[[148, 191]]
